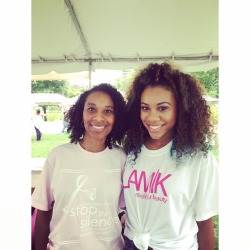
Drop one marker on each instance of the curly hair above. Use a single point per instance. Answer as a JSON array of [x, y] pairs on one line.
[[193, 128], [75, 115]]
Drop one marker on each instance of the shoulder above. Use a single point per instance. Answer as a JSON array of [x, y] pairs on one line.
[[204, 161], [209, 158], [61, 149], [118, 151], [117, 148]]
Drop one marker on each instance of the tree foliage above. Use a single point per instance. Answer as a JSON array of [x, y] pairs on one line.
[[123, 82], [210, 80], [61, 87]]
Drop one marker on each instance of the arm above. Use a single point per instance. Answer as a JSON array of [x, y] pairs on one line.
[[123, 221], [206, 234], [122, 218], [42, 229]]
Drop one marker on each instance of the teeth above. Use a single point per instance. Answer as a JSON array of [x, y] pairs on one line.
[[155, 127], [98, 127]]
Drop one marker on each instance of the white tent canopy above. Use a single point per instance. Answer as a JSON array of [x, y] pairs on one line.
[[85, 35]]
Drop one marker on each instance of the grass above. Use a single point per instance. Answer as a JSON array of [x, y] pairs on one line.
[[40, 149], [216, 232]]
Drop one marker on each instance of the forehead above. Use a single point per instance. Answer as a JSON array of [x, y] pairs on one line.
[[157, 94], [99, 97]]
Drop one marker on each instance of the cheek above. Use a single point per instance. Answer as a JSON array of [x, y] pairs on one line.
[[86, 117], [112, 120], [172, 118], [142, 115]]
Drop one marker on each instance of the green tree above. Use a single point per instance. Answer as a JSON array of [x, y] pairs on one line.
[[210, 80], [61, 87], [124, 82]]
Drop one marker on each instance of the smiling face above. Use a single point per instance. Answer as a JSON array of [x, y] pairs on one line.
[[98, 115], [158, 114]]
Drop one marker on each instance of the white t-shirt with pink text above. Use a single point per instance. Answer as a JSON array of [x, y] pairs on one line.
[[85, 191], [164, 200]]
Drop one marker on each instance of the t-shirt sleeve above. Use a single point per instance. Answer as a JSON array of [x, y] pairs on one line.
[[206, 199], [121, 198], [122, 204], [42, 197]]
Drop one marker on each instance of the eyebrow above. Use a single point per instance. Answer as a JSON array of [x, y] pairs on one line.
[[91, 103], [160, 103]]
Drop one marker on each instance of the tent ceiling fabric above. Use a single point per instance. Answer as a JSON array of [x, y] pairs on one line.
[[81, 35]]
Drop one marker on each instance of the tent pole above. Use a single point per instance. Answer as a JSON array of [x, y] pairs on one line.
[[90, 73]]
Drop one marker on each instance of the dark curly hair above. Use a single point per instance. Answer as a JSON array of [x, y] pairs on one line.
[[75, 115], [193, 129]]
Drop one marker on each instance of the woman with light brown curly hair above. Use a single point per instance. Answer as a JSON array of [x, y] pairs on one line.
[[171, 177]]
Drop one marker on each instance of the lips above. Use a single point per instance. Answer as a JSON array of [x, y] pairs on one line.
[[154, 128], [98, 128]]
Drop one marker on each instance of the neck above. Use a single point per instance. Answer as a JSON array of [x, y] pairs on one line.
[[92, 145], [154, 144]]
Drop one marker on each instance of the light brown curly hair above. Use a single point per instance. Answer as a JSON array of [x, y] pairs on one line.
[[193, 129]]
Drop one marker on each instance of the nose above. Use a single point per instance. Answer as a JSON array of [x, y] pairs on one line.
[[153, 116], [98, 116]]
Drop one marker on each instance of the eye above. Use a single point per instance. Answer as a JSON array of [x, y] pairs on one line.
[[109, 111], [144, 108], [91, 109], [162, 108]]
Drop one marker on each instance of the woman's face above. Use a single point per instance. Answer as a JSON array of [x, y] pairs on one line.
[[159, 113], [98, 115]]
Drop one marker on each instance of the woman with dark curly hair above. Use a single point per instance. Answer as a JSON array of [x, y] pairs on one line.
[[80, 190], [171, 177]]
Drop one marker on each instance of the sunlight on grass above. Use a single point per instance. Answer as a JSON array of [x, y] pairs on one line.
[[40, 149], [216, 232]]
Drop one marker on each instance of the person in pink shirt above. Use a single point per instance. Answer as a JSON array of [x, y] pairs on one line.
[[80, 192]]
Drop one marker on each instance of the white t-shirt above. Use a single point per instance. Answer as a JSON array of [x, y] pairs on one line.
[[86, 190], [38, 121], [164, 200]]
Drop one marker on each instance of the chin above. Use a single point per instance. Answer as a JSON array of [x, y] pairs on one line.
[[155, 137]]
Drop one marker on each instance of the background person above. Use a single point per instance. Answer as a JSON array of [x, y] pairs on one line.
[[38, 124], [80, 190], [171, 177], [65, 121]]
